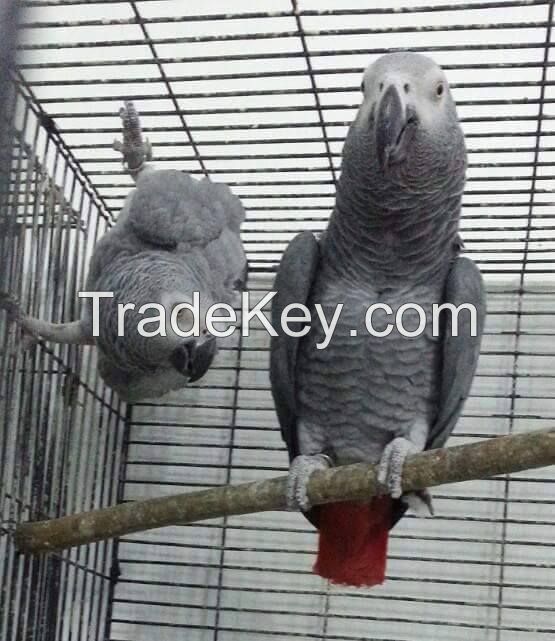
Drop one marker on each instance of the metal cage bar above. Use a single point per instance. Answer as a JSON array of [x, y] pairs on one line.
[[52, 406]]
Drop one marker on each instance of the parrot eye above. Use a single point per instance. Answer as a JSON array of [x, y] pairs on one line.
[[362, 88], [440, 89]]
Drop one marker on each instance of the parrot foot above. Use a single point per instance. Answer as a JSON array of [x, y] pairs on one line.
[[390, 470], [11, 306], [300, 471], [135, 150]]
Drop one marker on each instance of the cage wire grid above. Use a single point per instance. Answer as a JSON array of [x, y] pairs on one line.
[[259, 95]]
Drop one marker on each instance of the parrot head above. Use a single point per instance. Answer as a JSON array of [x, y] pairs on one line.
[[407, 125], [142, 347], [192, 356]]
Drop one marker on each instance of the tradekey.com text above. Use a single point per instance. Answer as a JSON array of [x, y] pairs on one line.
[[296, 319]]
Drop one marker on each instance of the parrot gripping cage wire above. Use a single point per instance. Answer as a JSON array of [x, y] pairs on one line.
[[260, 99]]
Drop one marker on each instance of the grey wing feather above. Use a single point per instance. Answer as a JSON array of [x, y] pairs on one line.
[[169, 207], [293, 284], [460, 353]]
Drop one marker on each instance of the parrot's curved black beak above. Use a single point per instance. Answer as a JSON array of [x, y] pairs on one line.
[[395, 125], [193, 359]]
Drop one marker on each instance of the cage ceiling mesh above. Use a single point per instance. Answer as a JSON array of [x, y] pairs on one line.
[[259, 96]]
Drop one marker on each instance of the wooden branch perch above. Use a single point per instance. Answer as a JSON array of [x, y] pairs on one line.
[[503, 455]]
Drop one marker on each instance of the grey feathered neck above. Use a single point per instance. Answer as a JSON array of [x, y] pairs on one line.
[[397, 228]]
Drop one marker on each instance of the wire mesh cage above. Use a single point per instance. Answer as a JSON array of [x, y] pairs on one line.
[[259, 96]]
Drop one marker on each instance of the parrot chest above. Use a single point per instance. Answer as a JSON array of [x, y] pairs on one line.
[[362, 390]]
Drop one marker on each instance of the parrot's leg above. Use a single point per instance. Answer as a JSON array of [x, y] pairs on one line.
[[69, 333], [299, 473], [136, 152], [36, 328]]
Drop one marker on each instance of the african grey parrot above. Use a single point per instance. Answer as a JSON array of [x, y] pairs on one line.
[[392, 239], [174, 236]]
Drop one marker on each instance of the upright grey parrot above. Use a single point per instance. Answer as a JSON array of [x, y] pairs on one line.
[[174, 236], [392, 239]]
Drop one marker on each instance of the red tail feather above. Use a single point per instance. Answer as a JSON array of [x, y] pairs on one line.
[[353, 541]]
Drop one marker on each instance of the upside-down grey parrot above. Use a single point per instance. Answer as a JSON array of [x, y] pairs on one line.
[[392, 239], [174, 236]]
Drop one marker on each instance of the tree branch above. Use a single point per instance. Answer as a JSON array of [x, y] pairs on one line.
[[502, 455]]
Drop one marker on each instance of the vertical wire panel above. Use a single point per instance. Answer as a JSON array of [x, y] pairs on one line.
[[260, 95], [54, 412]]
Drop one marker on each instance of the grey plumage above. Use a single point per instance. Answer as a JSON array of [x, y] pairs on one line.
[[174, 236], [392, 238], [293, 283]]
